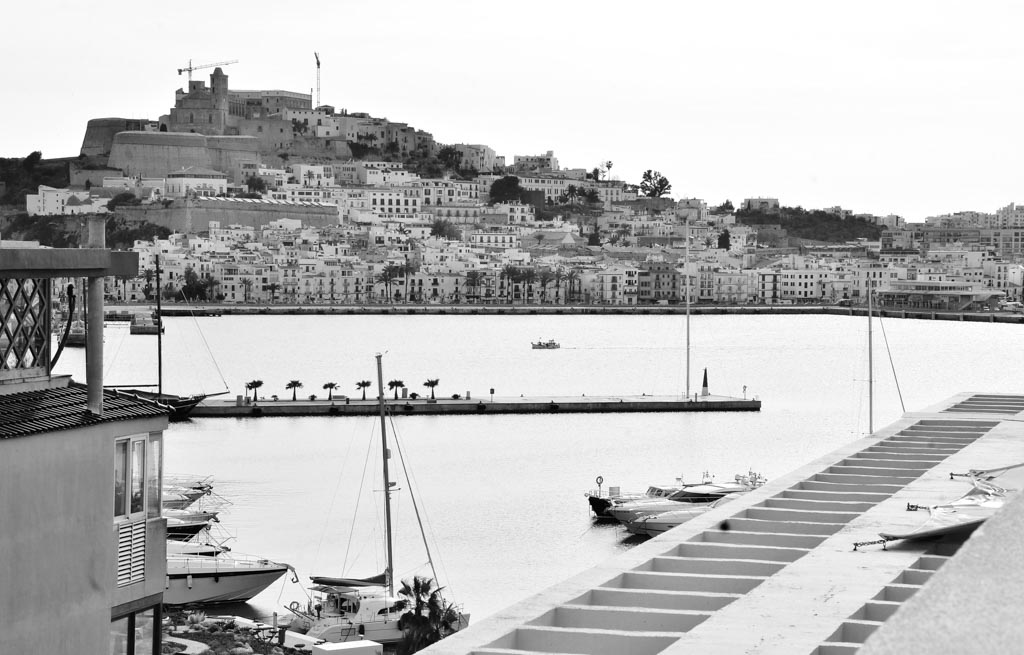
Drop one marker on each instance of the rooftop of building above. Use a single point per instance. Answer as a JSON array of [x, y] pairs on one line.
[[26, 413]]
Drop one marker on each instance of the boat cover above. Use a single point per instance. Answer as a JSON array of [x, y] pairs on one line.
[[352, 583], [984, 499]]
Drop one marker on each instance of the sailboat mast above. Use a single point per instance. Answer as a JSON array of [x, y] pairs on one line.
[[159, 335], [389, 570], [686, 273], [871, 372]]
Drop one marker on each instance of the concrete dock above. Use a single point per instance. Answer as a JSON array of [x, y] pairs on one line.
[[239, 407], [776, 571]]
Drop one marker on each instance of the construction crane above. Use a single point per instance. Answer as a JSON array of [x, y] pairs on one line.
[[191, 68], [317, 55]]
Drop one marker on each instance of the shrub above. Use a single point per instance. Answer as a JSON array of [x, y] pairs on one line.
[[456, 396]]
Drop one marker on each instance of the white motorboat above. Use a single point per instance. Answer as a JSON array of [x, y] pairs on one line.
[[184, 529], [701, 493], [190, 515], [175, 547], [600, 501], [654, 524], [352, 609], [223, 578]]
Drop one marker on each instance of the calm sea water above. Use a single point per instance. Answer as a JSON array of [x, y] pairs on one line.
[[502, 496]]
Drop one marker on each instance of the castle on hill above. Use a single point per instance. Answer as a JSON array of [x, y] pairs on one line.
[[234, 131]]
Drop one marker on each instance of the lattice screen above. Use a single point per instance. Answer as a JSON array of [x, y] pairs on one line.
[[24, 323]]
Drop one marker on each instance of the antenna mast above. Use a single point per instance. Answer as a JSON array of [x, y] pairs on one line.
[[317, 55]]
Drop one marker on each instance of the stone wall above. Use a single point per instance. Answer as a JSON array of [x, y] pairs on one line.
[[155, 154], [99, 133], [194, 216]]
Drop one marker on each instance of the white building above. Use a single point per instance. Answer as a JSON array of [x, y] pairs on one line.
[[196, 181]]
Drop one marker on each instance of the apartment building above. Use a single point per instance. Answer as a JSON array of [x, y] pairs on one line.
[[80, 472]]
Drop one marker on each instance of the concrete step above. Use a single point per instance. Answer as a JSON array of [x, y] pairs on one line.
[[730, 584], [786, 527], [817, 505], [626, 619], [710, 566], [850, 478], [728, 551], [655, 599], [838, 496], [547, 640], [773, 514], [763, 539]]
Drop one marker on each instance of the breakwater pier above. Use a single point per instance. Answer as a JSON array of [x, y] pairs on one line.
[[240, 407]]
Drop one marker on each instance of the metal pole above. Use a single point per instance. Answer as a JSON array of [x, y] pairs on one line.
[[686, 273], [159, 335], [871, 372], [94, 323], [389, 570]]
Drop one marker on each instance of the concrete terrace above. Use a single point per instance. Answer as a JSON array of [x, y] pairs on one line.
[[776, 571]]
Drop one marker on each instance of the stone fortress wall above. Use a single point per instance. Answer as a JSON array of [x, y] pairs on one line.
[[195, 215], [155, 154], [99, 133]]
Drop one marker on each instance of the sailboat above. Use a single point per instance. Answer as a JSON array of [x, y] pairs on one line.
[[179, 407], [352, 609]]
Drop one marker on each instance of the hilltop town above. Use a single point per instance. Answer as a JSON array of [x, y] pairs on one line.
[[260, 197]]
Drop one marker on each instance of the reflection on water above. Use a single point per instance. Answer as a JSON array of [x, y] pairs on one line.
[[503, 495]]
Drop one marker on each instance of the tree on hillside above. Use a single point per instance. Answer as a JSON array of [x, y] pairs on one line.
[[506, 189], [445, 229], [724, 240], [654, 184], [725, 208], [123, 198], [256, 184], [450, 158]]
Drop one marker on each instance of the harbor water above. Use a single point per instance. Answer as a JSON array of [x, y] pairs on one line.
[[502, 496]]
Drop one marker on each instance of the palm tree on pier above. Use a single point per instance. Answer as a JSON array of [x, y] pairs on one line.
[[430, 384], [294, 385], [330, 386], [254, 385], [396, 385], [362, 384]]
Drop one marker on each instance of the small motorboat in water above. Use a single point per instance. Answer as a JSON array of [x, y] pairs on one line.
[[550, 344], [697, 493], [654, 524]]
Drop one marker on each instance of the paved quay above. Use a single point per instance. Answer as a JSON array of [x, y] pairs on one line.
[[238, 407], [116, 311], [775, 571]]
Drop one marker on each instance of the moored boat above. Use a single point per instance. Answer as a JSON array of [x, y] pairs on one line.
[[600, 502], [184, 529], [352, 609], [550, 344], [654, 524], [222, 578], [699, 493]]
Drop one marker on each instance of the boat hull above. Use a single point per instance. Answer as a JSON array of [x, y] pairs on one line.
[[184, 587]]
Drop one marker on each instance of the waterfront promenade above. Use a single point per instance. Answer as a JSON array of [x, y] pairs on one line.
[[399, 309], [239, 407], [777, 571]]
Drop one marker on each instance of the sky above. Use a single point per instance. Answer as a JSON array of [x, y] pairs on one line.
[[909, 108]]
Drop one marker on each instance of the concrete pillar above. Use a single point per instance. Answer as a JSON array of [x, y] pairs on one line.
[[94, 324]]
